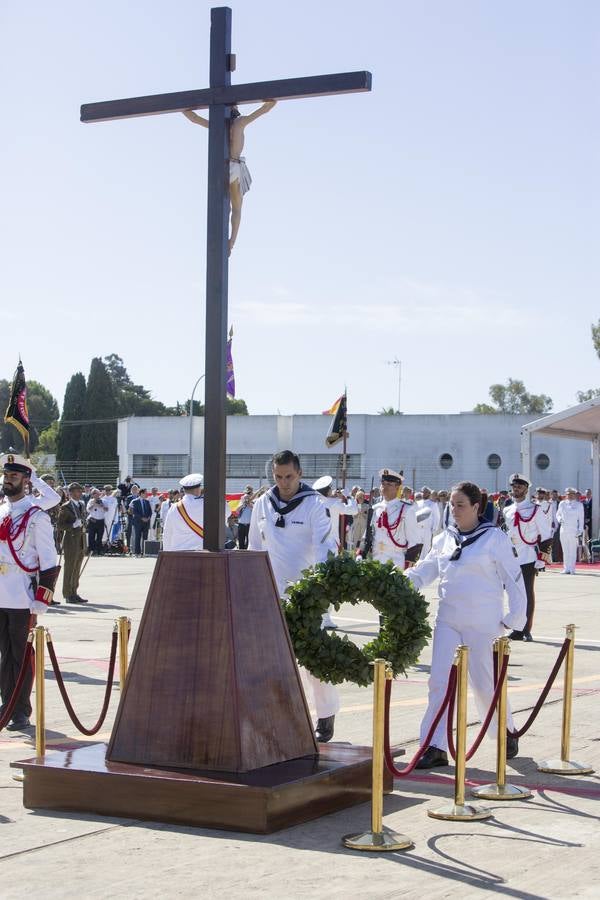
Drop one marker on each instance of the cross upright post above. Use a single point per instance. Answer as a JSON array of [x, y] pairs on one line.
[[218, 98]]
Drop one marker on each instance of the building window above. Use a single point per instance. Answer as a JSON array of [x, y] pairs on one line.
[[542, 461], [159, 465], [494, 461], [247, 465], [315, 464], [446, 461]]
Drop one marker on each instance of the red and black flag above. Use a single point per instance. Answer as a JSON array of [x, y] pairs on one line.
[[339, 424], [16, 412]]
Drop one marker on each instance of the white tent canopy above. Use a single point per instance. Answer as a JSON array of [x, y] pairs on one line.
[[581, 423]]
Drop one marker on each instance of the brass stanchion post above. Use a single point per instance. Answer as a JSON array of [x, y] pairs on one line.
[[565, 766], [123, 625], [501, 790], [459, 810], [40, 692], [378, 838]]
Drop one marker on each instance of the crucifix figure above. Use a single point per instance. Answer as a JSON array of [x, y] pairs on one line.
[[220, 98], [239, 176]]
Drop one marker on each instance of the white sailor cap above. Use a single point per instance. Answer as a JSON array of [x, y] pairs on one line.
[[192, 481], [390, 475], [322, 483], [517, 478], [13, 462], [571, 490]]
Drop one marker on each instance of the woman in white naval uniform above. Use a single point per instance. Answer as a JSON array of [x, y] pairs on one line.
[[475, 563]]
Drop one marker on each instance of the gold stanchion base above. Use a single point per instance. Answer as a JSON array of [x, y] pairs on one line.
[[564, 767], [376, 841], [501, 792], [464, 813]]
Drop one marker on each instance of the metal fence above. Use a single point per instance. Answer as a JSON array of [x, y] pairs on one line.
[[97, 472]]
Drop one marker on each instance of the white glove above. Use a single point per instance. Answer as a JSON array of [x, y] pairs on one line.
[[38, 608]]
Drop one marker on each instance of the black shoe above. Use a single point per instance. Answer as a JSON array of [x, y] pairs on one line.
[[80, 599], [324, 729], [19, 723], [433, 756], [527, 636], [516, 635], [55, 603], [76, 599], [512, 745]]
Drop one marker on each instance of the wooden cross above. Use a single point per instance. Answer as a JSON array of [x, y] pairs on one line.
[[219, 98]]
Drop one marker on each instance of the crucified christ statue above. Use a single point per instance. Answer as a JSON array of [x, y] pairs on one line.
[[239, 176]]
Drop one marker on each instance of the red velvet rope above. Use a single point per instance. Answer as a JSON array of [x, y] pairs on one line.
[[9, 708], [486, 723], [109, 686], [551, 678], [389, 761]]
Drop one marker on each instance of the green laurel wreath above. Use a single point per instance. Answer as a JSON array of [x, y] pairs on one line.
[[342, 579]]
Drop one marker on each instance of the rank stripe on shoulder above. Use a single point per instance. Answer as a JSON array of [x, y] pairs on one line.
[[197, 529]]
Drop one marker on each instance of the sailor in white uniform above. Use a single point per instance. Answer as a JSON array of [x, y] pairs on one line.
[[570, 517], [336, 505], [290, 523], [28, 573], [395, 527], [475, 563], [429, 525], [184, 525], [530, 532]]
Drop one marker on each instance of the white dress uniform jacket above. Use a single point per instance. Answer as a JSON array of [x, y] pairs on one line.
[[34, 548], [471, 612], [337, 508], [428, 526], [527, 530], [395, 529], [177, 534], [48, 497], [305, 539]]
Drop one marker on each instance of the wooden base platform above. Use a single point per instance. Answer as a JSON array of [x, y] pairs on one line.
[[260, 802]]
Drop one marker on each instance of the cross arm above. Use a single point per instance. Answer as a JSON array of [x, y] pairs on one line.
[[284, 89]]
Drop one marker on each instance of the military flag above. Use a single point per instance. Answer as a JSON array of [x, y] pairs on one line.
[[17, 413], [230, 372], [337, 429]]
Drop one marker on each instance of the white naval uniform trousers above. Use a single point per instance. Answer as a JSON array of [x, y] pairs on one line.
[[570, 517], [305, 540], [471, 612]]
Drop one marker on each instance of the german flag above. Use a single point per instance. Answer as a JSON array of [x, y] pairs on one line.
[[339, 424], [17, 413]]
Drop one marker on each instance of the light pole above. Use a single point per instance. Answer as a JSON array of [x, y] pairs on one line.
[[397, 362], [192, 425]]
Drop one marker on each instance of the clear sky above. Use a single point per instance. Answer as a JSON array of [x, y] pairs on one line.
[[448, 219]]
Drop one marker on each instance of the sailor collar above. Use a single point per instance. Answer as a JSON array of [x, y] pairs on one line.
[[283, 507], [463, 539]]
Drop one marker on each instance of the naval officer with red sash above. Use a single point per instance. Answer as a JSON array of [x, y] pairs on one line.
[[184, 526], [28, 573], [395, 528]]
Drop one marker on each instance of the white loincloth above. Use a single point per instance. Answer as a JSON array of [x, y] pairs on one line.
[[238, 171]]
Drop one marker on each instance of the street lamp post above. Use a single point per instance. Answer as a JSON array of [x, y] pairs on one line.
[[397, 362], [192, 425]]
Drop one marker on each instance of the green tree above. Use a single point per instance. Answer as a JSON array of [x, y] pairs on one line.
[[99, 434], [388, 411], [596, 336], [235, 407], [513, 398], [49, 438], [69, 433], [132, 399], [43, 410], [582, 396]]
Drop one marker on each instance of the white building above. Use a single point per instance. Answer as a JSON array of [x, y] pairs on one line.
[[433, 450]]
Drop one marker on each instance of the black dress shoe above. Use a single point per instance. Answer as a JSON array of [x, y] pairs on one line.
[[19, 723], [76, 599], [55, 602], [527, 636], [512, 745], [433, 756], [516, 636], [324, 729]]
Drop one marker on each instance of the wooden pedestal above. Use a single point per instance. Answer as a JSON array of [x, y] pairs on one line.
[[260, 802]]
